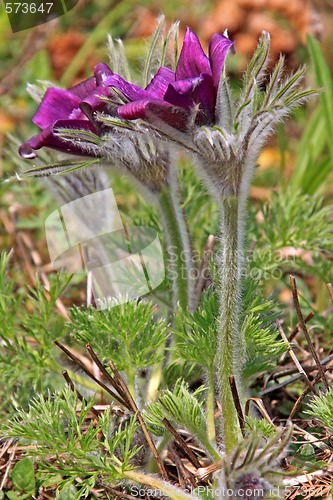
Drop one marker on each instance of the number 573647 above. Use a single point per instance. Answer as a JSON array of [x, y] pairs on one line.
[[27, 8]]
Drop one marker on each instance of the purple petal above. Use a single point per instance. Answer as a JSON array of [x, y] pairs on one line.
[[102, 72], [192, 59], [74, 125], [131, 92], [47, 138], [83, 89], [77, 114], [218, 49], [137, 109], [159, 84], [204, 94], [181, 93], [156, 109], [57, 104], [95, 101], [194, 92]]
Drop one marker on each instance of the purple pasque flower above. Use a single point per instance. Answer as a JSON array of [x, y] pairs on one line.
[[71, 121], [68, 109], [75, 109], [190, 91]]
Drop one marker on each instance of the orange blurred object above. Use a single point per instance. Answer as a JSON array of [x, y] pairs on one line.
[[63, 47], [288, 21]]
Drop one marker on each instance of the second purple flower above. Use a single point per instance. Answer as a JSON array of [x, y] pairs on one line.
[[192, 88]]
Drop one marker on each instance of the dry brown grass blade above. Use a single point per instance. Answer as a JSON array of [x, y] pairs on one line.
[[8, 467], [313, 485], [324, 362], [106, 374], [73, 388], [118, 378], [306, 391], [235, 396], [306, 333], [79, 363], [298, 327], [294, 358], [184, 475], [186, 450], [307, 436], [31, 255]]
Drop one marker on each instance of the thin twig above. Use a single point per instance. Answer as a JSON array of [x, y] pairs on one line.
[[237, 403], [179, 466], [298, 327], [305, 393], [88, 372], [8, 466], [182, 443], [106, 374], [135, 409], [183, 472], [73, 388], [313, 440], [282, 372], [295, 360], [118, 494], [307, 370], [6, 446], [306, 333]]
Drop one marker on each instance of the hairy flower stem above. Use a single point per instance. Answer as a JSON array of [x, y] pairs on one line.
[[180, 263], [210, 405], [230, 342]]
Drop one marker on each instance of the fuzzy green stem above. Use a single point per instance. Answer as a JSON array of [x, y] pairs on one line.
[[178, 248], [210, 405], [154, 381], [152, 465], [131, 381], [230, 342]]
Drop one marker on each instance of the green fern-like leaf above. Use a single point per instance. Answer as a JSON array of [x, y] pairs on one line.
[[259, 427], [263, 345], [27, 354], [59, 426], [196, 332], [321, 408], [129, 333], [183, 409]]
